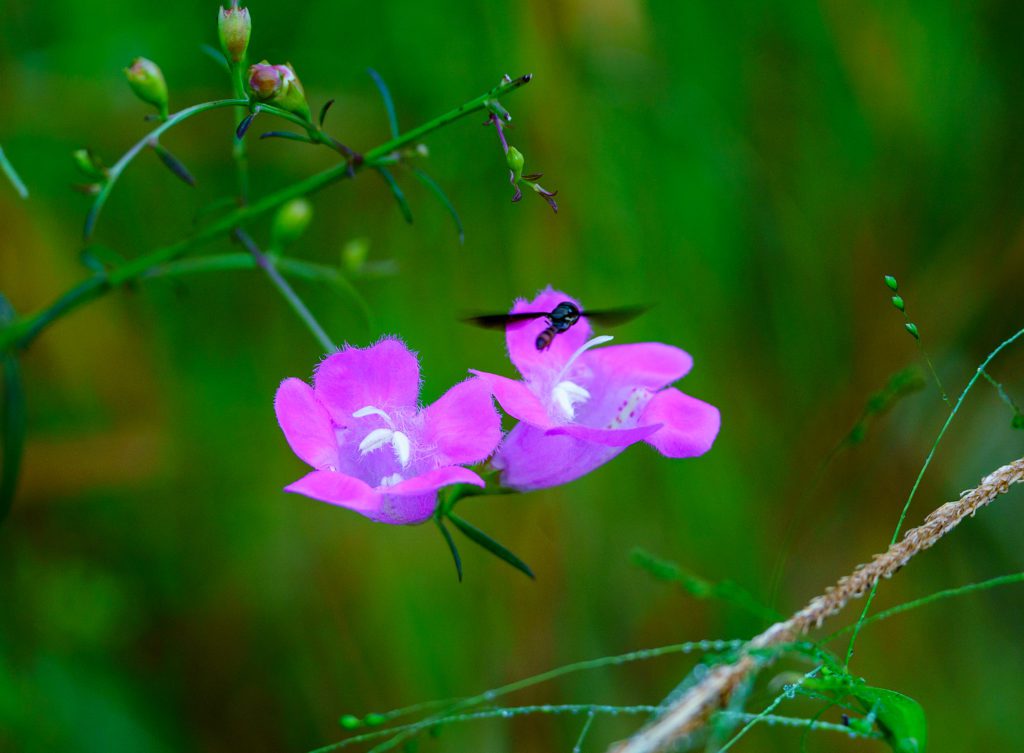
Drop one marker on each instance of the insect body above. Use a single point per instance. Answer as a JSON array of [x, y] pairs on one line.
[[559, 320]]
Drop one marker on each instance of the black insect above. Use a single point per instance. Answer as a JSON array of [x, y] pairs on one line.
[[559, 320]]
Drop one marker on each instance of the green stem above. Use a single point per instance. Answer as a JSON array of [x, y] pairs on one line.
[[300, 308], [21, 332], [8, 169], [238, 148]]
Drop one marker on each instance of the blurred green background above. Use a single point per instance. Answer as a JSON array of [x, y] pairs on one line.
[[752, 170]]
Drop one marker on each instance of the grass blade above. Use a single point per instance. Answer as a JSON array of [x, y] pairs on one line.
[[451, 545], [477, 536], [389, 104], [397, 192], [432, 184], [8, 169]]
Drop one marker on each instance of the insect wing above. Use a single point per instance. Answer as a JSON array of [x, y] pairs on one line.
[[500, 321], [611, 317]]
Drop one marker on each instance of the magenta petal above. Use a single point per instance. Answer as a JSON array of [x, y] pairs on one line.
[[338, 489], [516, 399], [462, 425], [433, 480], [531, 459], [690, 425], [609, 437], [521, 338], [650, 365], [385, 375], [306, 424]]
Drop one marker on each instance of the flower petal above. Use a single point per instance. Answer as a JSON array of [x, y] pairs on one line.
[[434, 480], [650, 365], [516, 399], [690, 425], [609, 437], [462, 425], [531, 459], [339, 489], [386, 375], [306, 424], [521, 338]]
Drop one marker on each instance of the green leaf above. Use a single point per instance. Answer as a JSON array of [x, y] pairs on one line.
[[900, 718], [289, 135], [477, 536], [451, 545], [399, 196], [8, 169], [12, 421], [389, 104], [432, 184]]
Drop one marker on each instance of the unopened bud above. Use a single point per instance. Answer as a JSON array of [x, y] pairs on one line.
[[234, 27], [278, 85], [515, 160], [897, 301], [291, 222], [89, 164], [891, 282], [147, 81], [354, 253], [912, 329]]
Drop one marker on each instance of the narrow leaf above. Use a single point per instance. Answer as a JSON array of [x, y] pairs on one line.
[[12, 421], [216, 55], [100, 258], [389, 105], [451, 545], [397, 192], [12, 175], [244, 125], [324, 109], [291, 136], [900, 717], [432, 184], [477, 536], [172, 163]]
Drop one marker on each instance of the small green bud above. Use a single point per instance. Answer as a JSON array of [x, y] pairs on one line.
[[88, 164], [349, 721], [147, 81], [891, 282], [278, 85], [374, 720], [515, 160], [291, 222], [354, 253], [897, 301], [912, 329], [1018, 421], [234, 27]]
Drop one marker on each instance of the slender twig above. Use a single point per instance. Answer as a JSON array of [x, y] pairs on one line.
[[712, 693], [300, 308], [24, 330]]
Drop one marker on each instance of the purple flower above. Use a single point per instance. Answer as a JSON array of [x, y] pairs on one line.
[[580, 406], [374, 450]]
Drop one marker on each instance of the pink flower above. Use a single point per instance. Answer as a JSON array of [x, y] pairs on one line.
[[580, 405], [373, 449]]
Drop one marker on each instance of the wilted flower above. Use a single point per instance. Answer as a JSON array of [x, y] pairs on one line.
[[278, 85], [580, 405], [234, 28], [147, 81], [515, 160], [373, 449]]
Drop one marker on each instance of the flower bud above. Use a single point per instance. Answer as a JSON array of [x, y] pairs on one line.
[[354, 253], [897, 301], [278, 85], [891, 282], [515, 160], [234, 27], [89, 164], [147, 81], [291, 222]]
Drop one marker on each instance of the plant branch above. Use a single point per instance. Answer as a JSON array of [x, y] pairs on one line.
[[694, 708], [21, 332]]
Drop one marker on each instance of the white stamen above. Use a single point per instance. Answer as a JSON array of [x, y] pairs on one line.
[[400, 444], [375, 440], [394, 478], [593, 342], [369, 410], [565, 396]]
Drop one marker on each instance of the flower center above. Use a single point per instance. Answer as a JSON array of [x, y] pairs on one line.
[[566, 395], [377, 438]]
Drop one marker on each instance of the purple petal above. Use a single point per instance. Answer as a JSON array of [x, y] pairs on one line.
[[434, 480], [462, 424], [650, 365], [385, 375], [690, 425], [609, 437], [306, 424], [515, 398], [522, 338], [530, 459], [339, 489]]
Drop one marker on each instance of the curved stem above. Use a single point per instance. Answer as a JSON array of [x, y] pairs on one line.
[[21, 332]]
